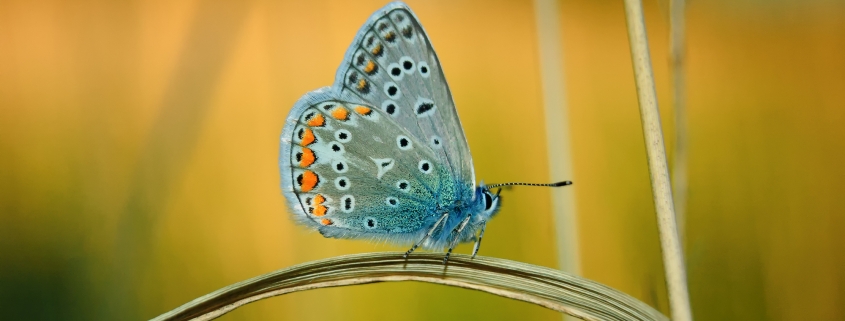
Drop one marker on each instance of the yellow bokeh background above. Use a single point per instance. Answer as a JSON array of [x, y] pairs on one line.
[[139, 145]]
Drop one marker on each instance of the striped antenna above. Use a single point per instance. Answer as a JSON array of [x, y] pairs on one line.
[[558, 184]]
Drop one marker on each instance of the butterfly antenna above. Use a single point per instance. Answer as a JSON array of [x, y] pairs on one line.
[[558, 184]]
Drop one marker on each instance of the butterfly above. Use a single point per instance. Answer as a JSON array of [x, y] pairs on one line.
[[381, 154]]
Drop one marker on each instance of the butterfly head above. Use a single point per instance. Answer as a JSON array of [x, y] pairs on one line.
[[491, 201]]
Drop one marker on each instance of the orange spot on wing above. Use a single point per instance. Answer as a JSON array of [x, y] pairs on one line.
[[370, 67], [377, 50], [340, 113], [363, 110], [320, 210], [308, 180], [319, 199], [307, 137], [316, 121], [326, 221], [362, 84], [308, 157]]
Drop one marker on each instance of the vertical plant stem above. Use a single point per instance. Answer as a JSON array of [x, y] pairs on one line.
[[677, 45], [557, 132], [673, 259]]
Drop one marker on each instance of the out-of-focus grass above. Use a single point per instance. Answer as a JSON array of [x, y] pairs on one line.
[[768, 169], [766, 91], [138, 147]]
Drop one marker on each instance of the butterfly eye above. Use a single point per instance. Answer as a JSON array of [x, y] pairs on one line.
[[403, 142], [425, 166], [343, 135], [488, 201]]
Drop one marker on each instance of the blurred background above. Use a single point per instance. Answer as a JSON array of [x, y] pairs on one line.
[[139, 145]]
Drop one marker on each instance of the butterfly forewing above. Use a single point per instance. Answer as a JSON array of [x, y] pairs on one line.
[[393, 66]]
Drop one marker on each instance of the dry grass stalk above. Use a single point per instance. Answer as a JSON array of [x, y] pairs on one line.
[[673, 258], [557, 132], [543, 286]]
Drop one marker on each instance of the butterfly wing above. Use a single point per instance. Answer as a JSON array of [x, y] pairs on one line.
[[374, 155], [349, 170], [392, 65]]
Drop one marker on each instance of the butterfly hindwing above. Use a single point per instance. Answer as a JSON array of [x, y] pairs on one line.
[[346, 171]]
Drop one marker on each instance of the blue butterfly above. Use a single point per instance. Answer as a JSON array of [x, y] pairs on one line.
[[381, 154]]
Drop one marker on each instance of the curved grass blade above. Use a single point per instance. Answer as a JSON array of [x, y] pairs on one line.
[[543, 286]]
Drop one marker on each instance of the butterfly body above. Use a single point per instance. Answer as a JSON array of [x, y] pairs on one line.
[[381, 154]]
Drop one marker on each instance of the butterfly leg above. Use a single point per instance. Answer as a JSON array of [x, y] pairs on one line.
[[427, 234], [456, 234], [481, 235], [478, 241]]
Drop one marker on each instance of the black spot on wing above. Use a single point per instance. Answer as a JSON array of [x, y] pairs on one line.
[[424, 107]]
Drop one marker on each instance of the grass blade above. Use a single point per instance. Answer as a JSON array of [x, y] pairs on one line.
[[543, 286]]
